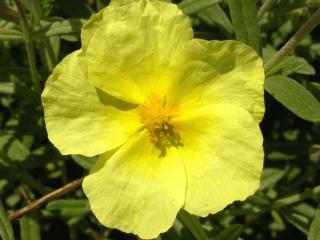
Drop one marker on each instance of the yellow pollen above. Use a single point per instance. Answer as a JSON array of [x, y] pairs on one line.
[[157, 116]]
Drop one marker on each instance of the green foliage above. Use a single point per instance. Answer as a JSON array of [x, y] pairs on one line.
[[314, 232], [294, 96], [233, 232], [29, 228], [194, 6], [6, 231], [245, 22], [193, 224], [285, 206]]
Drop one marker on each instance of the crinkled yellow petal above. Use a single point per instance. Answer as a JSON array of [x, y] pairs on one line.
[[81, 119], [228, 72], [138, 190], [135, 50], [222, 154]]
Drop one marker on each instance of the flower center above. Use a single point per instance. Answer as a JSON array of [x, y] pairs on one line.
[[157, 116]]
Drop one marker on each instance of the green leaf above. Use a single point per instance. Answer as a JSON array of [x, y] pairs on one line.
[[313, 3], [245, 22], [297, 65], [193, 224], [10, 34], [299, 220], [271, 176], [68, 208], [29, 228], [294, 97], [288, 65], [314, 152], [17, 151], [233, 232], [314, 231], [60, 27], [6, 231], [7, 87], [214, 15], [315, 89], [193, 6], [84, 162]]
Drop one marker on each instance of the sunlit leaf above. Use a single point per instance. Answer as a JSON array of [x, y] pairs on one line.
[[215, 15], [294, 97], [245, 22]]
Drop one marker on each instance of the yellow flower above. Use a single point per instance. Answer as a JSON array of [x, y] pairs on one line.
[[174, 119]]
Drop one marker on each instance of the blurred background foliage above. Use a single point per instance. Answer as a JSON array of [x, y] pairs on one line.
[[285, 207]]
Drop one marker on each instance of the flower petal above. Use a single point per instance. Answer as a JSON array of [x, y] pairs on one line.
[[81, 119], [223, 156], [137, 190], [236, 75], [135, 49]]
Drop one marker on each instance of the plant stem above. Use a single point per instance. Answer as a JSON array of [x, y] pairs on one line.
[[265, 7], [305, 29], [29, 47], [55, 194]]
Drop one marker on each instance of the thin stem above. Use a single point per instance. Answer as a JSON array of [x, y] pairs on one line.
[[305, 29], [29, 47], [55, 194], [50, 60], [265, 7]]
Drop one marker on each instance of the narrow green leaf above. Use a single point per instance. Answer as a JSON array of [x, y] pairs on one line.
[[10, 34], [6, 231], [298, 220], [69, 208], [298, 65], [294, 97], [60, 27], [193, 6], [214, 15], [7, 87], [233, 232], [288, 65], [193, 224], [271, 176], [314, 231], [29, 228], [245, 22]]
